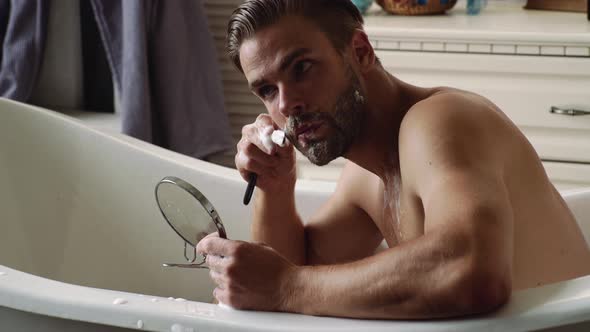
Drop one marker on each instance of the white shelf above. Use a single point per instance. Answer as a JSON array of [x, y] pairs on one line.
[[502, 27]]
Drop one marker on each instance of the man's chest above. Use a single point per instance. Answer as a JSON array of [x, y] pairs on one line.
[[397, 212]]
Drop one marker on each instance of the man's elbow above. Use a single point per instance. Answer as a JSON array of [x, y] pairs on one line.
[[482, 291]]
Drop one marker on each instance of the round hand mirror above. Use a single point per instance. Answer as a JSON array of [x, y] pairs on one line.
[[189, 213]]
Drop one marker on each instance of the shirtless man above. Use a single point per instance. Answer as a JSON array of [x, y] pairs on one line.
[[469, 213]]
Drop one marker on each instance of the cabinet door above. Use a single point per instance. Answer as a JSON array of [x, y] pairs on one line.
[[524, 87], [567, 176]]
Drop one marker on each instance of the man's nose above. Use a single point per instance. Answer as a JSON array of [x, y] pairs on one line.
[[291, 102]]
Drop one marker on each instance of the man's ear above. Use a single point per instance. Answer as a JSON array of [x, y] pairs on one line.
[[362, 50]]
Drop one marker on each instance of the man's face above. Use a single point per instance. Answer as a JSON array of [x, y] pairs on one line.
[[309, 88]]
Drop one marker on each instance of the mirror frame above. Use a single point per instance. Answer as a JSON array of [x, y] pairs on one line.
[[199, 197]]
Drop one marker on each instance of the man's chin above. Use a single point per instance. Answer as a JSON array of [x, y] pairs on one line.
[[319, 160], [319, 153]]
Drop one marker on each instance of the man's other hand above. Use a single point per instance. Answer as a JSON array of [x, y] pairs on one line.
[[248, 275]]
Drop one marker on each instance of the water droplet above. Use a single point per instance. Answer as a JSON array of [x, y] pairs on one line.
[[154, 300], [177, 328], [180, 300], [140, 324], [180, 328], [119, 301], [170, 298]]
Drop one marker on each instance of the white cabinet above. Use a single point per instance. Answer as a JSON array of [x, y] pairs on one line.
[[568, 175], [524, 87]]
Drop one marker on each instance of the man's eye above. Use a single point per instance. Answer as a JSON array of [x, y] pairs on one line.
[[265, 91], [302, 67]]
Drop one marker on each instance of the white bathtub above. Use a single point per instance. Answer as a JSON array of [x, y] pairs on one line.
[[79, 229]]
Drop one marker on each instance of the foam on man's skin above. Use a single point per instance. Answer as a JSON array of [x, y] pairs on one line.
[[278, 137], [270, 138], [265, 138]]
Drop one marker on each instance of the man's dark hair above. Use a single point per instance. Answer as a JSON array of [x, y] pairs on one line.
[[338, 19]]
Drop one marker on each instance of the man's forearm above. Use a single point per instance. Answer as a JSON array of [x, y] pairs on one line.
[[412, 281], [277, 224]]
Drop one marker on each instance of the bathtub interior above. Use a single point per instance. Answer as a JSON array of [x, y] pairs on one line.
[[78, 206], [578, 201]]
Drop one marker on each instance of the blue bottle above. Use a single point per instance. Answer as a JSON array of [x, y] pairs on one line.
[[362, 5], [474, 7]]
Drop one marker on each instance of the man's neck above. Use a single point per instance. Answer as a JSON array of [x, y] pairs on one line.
[[388, 101]]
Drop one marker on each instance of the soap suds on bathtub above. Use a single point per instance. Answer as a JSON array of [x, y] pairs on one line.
[[119, 301], [180, 328], [225, 306], [154, 300], [180, 300]]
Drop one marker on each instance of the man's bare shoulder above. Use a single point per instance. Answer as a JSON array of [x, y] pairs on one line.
[[452, 129], [450, 109]]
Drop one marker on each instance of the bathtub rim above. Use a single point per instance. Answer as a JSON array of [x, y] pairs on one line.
[[30, 293]]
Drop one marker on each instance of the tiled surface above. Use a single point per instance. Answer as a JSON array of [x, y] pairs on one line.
[[481, 48], [503, 27]]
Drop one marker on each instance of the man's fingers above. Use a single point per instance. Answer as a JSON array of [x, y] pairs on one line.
[[259, 135], [264, 120], [253, 165], [221, 296], [214, 234], [251, 151], [218, 278], [204, 247], [216, 246], [215, 263]]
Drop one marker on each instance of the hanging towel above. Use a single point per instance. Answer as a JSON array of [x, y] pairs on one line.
[[166, 73], [162, 59], [23, 29]]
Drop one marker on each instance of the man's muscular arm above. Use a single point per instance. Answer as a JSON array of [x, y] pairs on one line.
[[462, 263], [460, 266]]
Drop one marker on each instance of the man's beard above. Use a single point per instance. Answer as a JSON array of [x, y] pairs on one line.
[[346, 121]]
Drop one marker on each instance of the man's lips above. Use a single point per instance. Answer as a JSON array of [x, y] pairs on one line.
[[307, 128]]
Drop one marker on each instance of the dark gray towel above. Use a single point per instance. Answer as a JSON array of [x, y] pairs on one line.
[[23, 28], [162, 59], [165, 68]]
